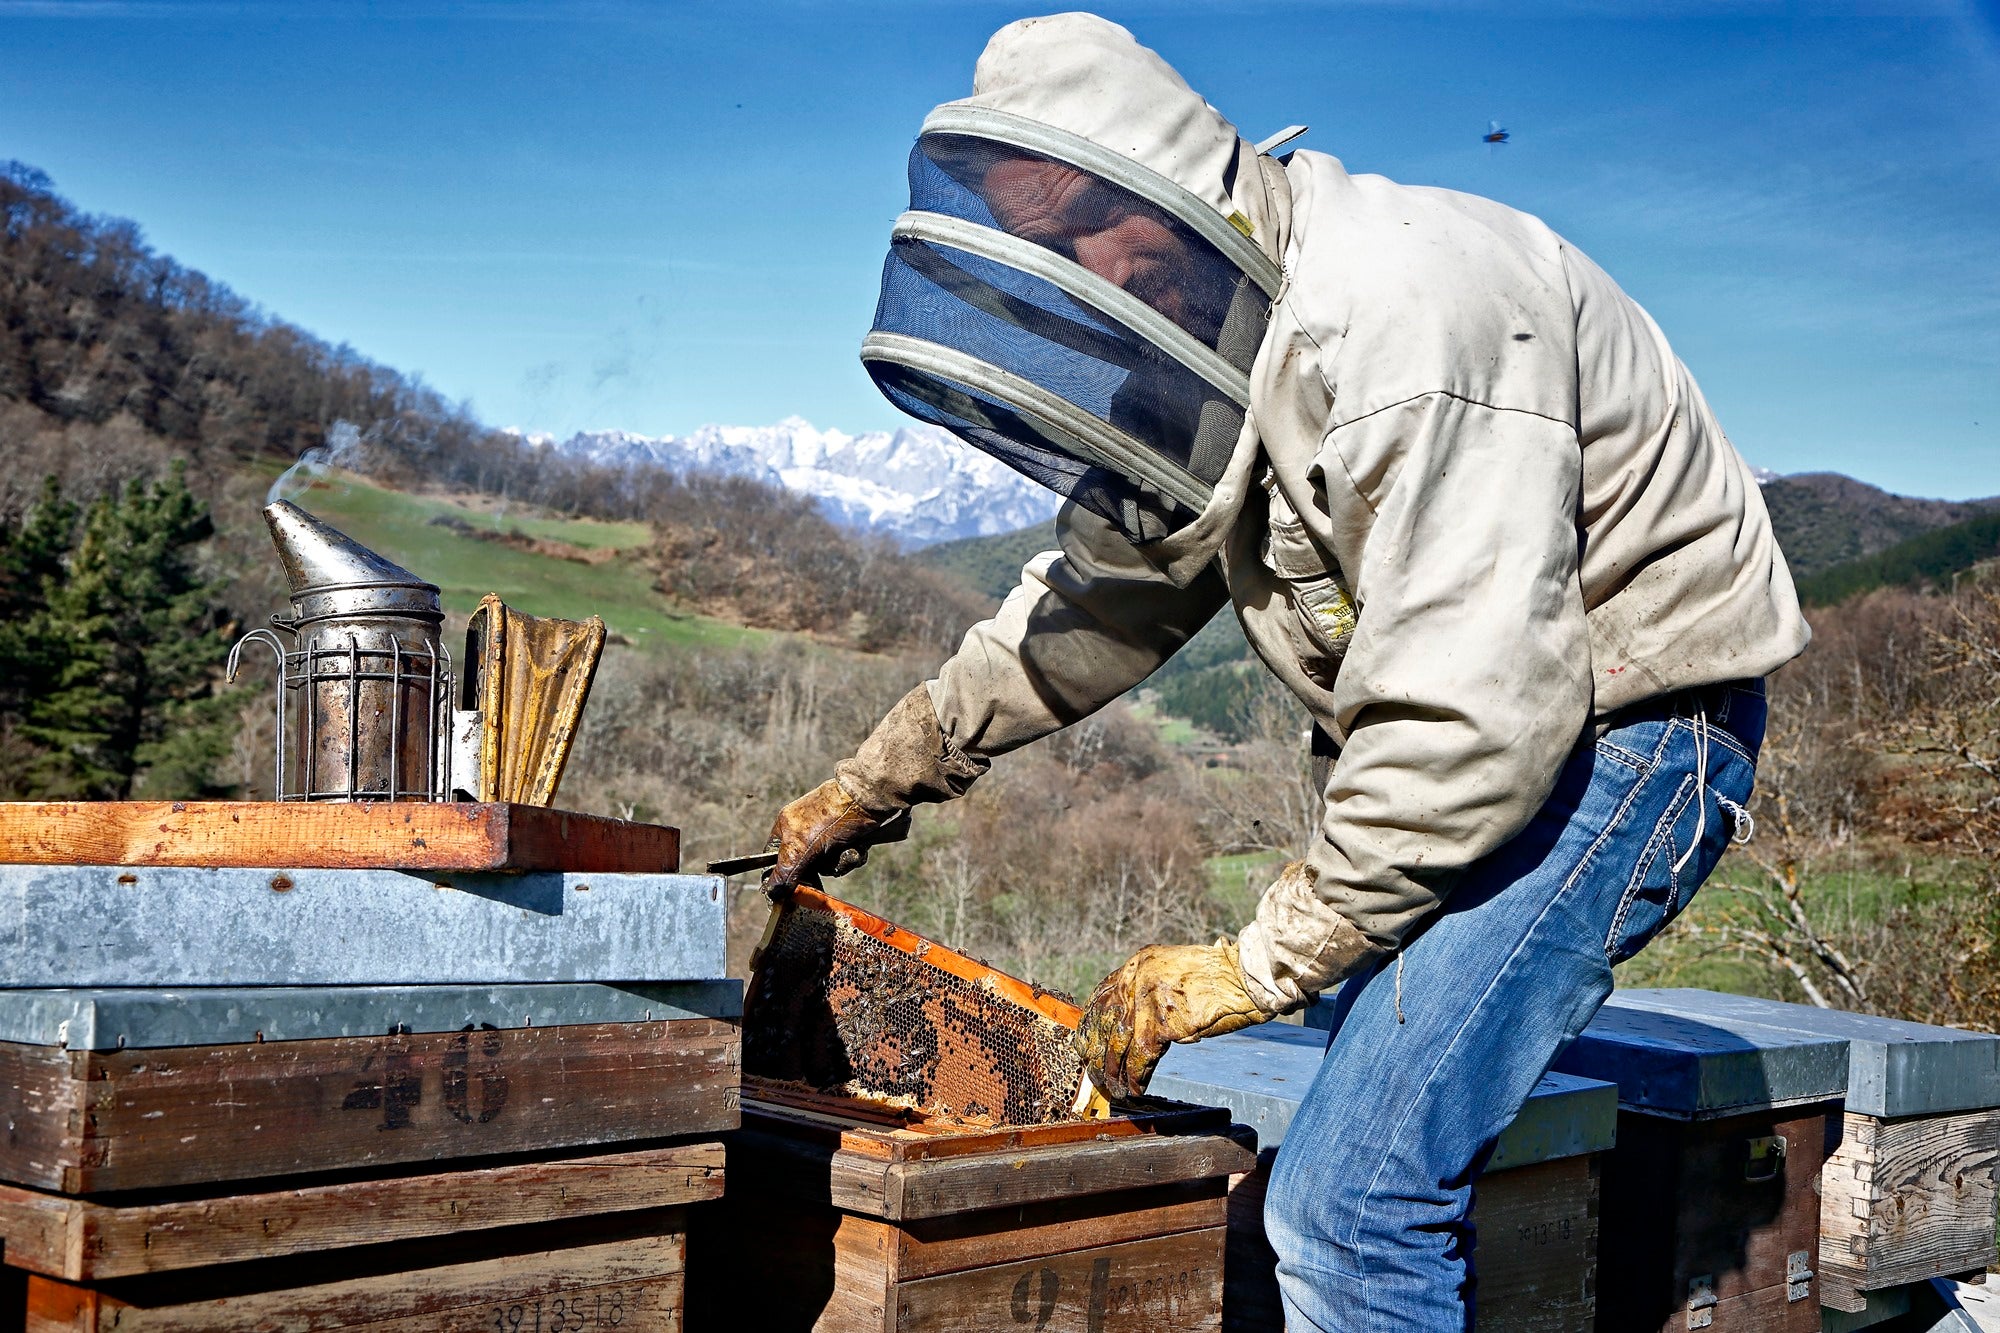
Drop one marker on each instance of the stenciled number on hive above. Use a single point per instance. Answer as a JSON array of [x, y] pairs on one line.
[[396, 1087]]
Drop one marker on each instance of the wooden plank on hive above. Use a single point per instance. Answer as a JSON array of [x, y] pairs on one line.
[[1250, 1301], [1756, 1241], [633, 1284], [332, 835], [934, 1246], [126, 1120], [831, 1115], [1167, 1282], [945, 1141], [769, 1264], [933, 1188], [823, 1236], [1679, 1202], [36, 1115], [906, 1191], [807, 1106], [84, 1240], [864, 1276], [816, 1170], [1765, 1310], [1906, 1200]]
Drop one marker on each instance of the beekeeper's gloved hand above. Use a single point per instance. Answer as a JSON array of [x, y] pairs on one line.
[[907, 760], [824, 832], [1298, 946], [1163, 994]]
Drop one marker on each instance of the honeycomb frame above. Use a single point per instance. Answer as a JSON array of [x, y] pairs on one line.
[[842, 1002]]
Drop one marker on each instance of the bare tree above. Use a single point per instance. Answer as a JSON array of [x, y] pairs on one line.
[[1260, 796]]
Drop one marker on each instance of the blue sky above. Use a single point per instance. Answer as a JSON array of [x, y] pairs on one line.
[[651, 216]]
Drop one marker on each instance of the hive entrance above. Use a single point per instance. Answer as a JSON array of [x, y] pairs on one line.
[[844, 1003]]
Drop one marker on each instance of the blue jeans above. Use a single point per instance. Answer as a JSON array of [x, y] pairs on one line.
[[1368, 1199]]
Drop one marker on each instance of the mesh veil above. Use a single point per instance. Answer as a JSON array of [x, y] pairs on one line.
[[1121, 387]]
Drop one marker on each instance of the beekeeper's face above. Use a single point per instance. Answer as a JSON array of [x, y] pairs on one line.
[[1105, 230]]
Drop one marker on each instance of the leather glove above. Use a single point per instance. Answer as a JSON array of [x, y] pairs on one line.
[[824, 832], [1164, 993], [905, 761]]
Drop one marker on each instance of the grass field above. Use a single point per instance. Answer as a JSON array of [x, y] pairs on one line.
[[466, 567], [1238, 882], [1172, 730], [1842, 895]]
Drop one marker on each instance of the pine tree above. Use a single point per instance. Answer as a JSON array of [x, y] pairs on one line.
[[132, 632], [31, 558]]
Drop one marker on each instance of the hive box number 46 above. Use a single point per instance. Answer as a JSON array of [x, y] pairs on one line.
[[468, 1081]]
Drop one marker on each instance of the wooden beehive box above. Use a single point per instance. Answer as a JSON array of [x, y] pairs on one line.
[[1710, 1215], [1535, 1207], [590, 1243], [148, 1090], [837, 1224], [1909, 1193], [330, 1067]]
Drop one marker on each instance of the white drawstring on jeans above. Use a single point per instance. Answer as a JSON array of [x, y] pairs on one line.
[[1700, 781], [1746, 827]]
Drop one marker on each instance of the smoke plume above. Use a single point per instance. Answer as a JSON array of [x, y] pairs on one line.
[[342, 449]]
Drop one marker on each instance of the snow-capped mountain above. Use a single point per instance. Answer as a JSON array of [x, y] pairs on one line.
[[919, 485]]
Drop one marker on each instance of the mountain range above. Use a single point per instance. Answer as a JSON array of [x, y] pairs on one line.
[[918, 484]]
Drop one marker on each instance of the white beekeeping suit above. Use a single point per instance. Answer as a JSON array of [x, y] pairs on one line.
[[1467, 506]]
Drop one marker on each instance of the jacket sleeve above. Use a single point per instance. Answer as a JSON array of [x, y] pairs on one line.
[[1087, 623], [1464, 687]]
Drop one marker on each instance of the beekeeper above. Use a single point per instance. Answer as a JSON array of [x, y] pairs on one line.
[[1468, 507]]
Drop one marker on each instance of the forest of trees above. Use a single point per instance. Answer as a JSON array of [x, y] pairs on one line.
[[1872, 882], [1934, 559], [110, 640]]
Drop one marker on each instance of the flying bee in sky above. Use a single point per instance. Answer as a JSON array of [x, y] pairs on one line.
[[1495, 134]]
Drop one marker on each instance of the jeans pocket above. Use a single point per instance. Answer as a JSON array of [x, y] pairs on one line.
[[1668, 874]]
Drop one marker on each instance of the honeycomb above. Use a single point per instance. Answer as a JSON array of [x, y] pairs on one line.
[[838, 1010]]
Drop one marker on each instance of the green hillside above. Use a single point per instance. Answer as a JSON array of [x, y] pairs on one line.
[[1930, 561], [990, 565], [1823, 519], [466, 566]]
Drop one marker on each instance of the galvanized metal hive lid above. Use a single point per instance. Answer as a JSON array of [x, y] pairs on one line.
[[1895, 1067], [149, 1018], [1262, 1075], [1685, 1068], [842, 1002]]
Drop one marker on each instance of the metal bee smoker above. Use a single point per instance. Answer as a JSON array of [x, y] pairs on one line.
[[365, 689]]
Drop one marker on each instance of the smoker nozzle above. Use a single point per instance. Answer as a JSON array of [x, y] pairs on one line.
[[331, 574]]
